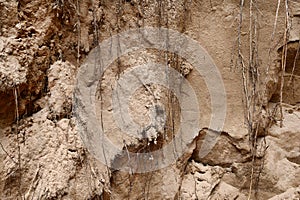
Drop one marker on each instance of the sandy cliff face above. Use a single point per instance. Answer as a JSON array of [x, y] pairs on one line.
[[44, 45]]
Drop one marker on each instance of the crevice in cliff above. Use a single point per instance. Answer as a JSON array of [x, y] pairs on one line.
[[291, 76]]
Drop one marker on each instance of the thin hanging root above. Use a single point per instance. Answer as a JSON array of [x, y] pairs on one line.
[[254, 150], [77, 24], [16, 104], [294, 64], [17, 118], [3, 149], [34, 183], [275, 21], [248, 109], [250, 35], [273, 35], [241, 60], [283, 58], [18, 140], [250, 78], [78, 30], [95, 25]]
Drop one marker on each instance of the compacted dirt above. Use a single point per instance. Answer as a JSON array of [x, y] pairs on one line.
[[46, 152]]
